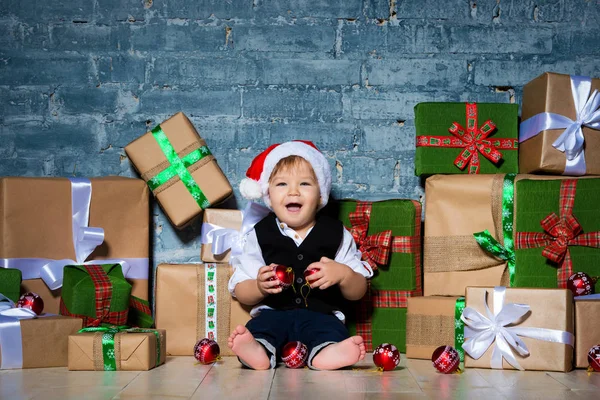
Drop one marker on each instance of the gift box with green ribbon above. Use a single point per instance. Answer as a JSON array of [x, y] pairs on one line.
[[388, 233], [179, 169], [10, 283], [557, 230], [466, 138], [96, 293]]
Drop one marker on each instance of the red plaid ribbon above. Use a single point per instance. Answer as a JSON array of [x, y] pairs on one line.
[[391, 298], [139, 305], [375, 249], [473, 140], [560, 233], [103, 298]]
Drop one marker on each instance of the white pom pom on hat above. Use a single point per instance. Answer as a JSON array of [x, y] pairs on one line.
[[256, 183]]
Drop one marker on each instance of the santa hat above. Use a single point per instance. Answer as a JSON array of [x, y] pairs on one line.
[[256, 185]]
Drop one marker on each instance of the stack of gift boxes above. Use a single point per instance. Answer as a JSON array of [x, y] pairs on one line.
[[492, 240]]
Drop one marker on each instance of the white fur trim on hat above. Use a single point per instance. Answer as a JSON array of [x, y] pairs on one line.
[[250, 189]]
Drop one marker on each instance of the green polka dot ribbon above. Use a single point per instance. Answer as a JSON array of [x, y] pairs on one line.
[[179, 167], [459, 328], [108, 342], [493, 246]]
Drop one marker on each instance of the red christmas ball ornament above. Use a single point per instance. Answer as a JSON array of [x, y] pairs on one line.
[[31, 301], [594, 358], [285, 276], [446, 359], [207, 351], [386, 357], [309, 272], [294, 354], [581, 284]]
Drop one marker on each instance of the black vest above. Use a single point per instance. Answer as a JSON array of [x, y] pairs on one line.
[[323, 241]]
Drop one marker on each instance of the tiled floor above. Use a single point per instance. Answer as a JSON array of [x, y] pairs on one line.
[[181, 378]]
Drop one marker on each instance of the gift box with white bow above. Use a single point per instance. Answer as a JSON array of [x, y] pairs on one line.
[[559, 132], [525, 329]]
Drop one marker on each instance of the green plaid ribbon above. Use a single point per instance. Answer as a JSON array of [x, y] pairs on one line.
[[108, 342], [459, 328], [179, 167]]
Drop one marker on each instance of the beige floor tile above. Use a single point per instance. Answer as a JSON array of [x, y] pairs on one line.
[[388, 381], [520, 380], [76, 393], [469, 393], [429, 378], [540, 394], [578, 379]]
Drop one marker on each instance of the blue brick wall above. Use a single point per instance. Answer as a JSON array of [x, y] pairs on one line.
[[81, 79]]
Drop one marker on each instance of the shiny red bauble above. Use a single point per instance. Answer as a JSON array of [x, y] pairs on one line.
[[294, 354], [31, 301], [207, 351], [445, 359], [581, 284], [386, 357], [309, 272], [285, 276], [594, 358]]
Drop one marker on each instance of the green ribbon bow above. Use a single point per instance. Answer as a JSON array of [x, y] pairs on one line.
[[459, 327], [491, 245], [179, 167], [108, 342]]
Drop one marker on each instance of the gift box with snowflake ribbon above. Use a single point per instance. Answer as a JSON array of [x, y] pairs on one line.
[[179, 169], [117, 348], [466, 138], [388, 233], [587, 321]]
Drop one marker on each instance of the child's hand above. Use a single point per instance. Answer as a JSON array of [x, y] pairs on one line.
[[329, 273], [265, 285]]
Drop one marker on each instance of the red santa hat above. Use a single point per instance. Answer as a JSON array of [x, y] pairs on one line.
[[256, 183]]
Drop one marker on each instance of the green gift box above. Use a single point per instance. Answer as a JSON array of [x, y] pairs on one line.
[[10, 283], [557, 230], [96, 293], [380, 317], [457, 138]]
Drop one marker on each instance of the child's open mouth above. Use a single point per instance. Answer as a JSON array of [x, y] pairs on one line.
[[293, 207]]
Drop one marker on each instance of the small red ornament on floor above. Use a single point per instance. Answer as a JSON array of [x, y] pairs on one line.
[[309, 272], [581, 284], [594, 358], [294, 354], [446, 360], [386, 357], [207, 351], [285, 276], [31, 301]]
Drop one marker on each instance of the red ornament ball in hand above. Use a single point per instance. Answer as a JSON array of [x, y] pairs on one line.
[[294, 354], [594, 358], [309, 272], [207, 351], [445, 359], [386, 357], [31, 301], [285, 276], [581, 284]]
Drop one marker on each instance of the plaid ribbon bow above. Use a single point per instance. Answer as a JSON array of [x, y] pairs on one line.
[[473, 140], [103, 299], [560, 233], [375, 248]]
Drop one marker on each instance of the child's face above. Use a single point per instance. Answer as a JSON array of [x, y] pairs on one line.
[[295, 196]]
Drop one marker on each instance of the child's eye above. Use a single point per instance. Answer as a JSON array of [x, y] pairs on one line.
[[280, 184], [306, 184]]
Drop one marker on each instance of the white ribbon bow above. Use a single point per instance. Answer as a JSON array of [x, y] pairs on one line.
[[570, 142], [482, 331], [223, 239], [10, 332]]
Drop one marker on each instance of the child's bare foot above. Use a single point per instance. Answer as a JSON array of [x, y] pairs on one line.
[[248, 349], [341, 354]]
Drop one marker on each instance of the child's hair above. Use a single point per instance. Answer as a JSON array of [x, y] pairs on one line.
[[290, 162]]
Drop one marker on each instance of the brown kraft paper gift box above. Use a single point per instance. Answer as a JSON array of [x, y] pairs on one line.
[[549, 309], [429, 324], [229, 219], [36, 222], [587, 329], [551, 92], [45, 340], [181, 307], [173, 196], [134, 351]]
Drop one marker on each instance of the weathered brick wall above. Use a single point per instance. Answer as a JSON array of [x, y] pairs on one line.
[[81, 79]]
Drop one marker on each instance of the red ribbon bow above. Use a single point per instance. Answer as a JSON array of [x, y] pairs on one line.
[[375, 248], [563, 231]]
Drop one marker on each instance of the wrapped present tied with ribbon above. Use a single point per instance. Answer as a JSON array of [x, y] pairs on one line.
[[473, 139], [375, 248], [503, 330], [10, 333], [217, 239], [585, 114]]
